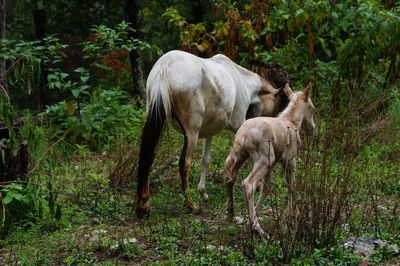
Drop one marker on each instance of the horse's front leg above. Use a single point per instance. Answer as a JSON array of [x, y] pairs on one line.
[[205, 162], [189, 146]]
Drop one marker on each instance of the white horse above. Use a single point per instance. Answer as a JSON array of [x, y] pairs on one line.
[[199, 98], [267, 141]]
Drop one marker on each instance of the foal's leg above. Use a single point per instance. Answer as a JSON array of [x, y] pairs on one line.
[[264, 159], [184, 167], [205, 162], [249, 185], [265, 188], [290, 168], [233, 163]]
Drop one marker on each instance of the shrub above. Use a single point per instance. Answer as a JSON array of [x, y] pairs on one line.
[[97, 122], [26, 204]]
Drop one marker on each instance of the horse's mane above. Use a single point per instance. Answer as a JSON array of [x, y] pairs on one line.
[[277, 76]]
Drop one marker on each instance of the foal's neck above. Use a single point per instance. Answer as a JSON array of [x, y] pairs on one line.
[[293, 114]]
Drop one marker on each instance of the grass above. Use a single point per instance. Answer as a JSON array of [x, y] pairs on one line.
[[172, 235]]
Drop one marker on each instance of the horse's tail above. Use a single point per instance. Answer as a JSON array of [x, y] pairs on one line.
[[158, 109], [158, 90]]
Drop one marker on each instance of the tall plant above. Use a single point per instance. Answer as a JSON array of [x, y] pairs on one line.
[[346, 44]]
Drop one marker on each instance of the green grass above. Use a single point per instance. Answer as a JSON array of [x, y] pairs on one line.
[[172, 235]]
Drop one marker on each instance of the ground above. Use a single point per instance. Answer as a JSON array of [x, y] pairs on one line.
[[98, 224]]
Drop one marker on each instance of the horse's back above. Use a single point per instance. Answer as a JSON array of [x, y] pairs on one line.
[[184, 69], [198, 91], [211, 94]]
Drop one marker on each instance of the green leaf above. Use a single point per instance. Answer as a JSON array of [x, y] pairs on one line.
[[299, 13], [84, 79], [102, 66], [87, 121], [80, 70], [18, 197], [58, 84], [8, 199], [75, 92], [84, 87], [51, 77], [64, 75], [327, 51]]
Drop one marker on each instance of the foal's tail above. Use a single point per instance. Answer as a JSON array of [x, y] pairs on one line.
[[158, 109]]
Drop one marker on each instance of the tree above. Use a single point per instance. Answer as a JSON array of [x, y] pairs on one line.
[[39, 18], [197, 11], [132, 12], [3, 31]]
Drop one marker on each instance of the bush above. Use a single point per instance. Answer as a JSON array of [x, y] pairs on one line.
[[26, 204], [97, 122]]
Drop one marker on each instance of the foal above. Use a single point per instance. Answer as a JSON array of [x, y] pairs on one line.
[[268, 141]]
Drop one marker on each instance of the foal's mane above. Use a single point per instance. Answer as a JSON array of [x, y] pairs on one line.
[[290, 108]]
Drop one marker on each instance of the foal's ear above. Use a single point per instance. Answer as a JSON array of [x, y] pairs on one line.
[[288, 91], [307, 91]]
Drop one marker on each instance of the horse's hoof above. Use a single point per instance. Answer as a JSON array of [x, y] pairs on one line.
[[196, 209], [142, 213], [143, 210], [193, 207], [205, 197]]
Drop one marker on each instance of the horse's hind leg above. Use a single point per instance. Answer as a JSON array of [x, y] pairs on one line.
[[205, 162], [189, 146]]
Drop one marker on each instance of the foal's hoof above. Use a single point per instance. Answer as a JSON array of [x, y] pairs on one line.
[[238, 220], [261, 232], [205, 197], [220, 172], [203, 194]]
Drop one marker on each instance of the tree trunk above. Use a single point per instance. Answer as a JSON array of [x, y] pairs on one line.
[[3, 32], [39, 19], [197, 11], [132, 12]]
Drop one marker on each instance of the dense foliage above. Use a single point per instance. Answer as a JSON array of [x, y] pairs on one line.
[[74, 74]]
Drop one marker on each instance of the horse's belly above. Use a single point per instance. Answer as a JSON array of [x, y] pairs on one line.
[[207, 130], [211, 129], [213, 123]]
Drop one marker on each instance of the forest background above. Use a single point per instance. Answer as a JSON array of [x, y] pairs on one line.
[[72, 84]]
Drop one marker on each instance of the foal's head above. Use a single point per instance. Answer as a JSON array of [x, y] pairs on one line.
[[303, 103]]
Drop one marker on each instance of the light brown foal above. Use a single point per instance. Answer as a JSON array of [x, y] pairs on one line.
[[268, 141]]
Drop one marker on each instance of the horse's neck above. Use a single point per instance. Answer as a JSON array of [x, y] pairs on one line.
[[293, 115], [247, 87]]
